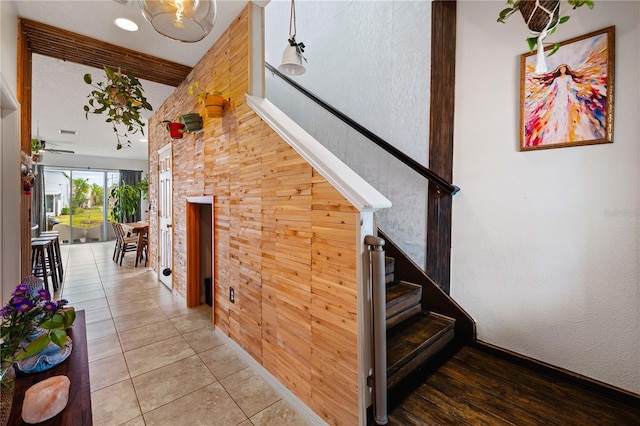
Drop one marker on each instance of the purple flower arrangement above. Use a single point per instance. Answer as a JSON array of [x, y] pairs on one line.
[[30, 310]]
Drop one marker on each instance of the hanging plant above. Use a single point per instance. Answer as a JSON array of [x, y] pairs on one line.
[[37, 146], [122, 99], [542, 17]]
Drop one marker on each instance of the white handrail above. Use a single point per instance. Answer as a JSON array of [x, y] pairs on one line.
[[354, 188]]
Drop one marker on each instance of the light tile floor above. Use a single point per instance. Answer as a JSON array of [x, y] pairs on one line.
[[152, 361]]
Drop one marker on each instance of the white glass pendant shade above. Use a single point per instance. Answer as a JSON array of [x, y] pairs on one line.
[[291, 62], [183, 20]]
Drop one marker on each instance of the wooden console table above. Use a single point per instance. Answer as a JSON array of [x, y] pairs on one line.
[[76, 368]]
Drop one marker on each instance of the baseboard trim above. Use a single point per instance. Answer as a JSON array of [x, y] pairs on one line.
[[604, 389], [300, 407], [178, 296]]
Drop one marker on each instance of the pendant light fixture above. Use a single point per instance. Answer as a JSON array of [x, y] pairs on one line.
[[182, 20], [292, 56]]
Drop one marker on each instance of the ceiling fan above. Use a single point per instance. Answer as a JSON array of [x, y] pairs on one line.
[[38, 144], [55, 150]]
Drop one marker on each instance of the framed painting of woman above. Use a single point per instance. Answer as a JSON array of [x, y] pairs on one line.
[[572, 103]]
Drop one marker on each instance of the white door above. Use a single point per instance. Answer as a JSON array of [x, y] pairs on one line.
[[165, 270]]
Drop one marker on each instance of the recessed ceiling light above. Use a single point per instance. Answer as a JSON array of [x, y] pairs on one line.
[[67, 132], [126, 24], [144, 140]]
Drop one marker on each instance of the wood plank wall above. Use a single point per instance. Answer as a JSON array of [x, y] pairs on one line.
[[285, 239]]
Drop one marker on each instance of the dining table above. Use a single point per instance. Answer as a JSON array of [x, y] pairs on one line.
[[141, 228]]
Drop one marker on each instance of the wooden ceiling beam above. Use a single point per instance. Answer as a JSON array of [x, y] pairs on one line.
[[69, 46]]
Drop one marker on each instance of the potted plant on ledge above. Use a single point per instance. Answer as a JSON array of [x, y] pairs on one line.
[[192, 121], [175, 128], [214, 102], [122, 99]]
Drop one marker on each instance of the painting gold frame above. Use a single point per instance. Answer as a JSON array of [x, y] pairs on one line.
[[572, 103]]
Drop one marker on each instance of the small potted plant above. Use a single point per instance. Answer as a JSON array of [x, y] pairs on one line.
[[176, 129], [31, 321], [28, 311], [122, 99], [192, 121], [214, 102]]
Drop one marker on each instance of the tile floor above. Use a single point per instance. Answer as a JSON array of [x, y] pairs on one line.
[[152, 361]]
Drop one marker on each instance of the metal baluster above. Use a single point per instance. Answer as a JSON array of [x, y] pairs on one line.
[[379, 327]]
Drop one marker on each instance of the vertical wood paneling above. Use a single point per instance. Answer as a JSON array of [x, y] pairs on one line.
[[334, 306], [285, 240], [269, 184], [249, 159]]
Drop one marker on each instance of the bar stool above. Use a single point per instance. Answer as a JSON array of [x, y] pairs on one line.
[[56, 245], [43, 261], [57, 255]]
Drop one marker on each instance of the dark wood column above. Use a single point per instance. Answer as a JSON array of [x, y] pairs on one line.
[[24, 99], [443, 61]]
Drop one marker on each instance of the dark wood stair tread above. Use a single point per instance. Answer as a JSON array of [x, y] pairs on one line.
[[415, 340], [389, 269], [396, 319], [403, 301], [389, 265], [402, 295]]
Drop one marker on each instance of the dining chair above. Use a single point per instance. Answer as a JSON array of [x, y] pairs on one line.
[[116, 248], [143, 241], [125, 244]]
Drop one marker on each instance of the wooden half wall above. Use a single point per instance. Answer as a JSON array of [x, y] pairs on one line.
[[285, 240]]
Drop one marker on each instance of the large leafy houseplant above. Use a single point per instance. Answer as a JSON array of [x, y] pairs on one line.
[[143, 187], [126, 202], [122, 99]]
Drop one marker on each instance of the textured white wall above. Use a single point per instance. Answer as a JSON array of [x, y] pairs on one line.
[[8, 45], [546, 243], [370, 60]]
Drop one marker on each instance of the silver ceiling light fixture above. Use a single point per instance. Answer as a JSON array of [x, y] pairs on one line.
[[292, 57], [182, 20]]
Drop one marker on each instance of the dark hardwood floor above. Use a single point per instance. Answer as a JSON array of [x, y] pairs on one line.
[[471, 387]]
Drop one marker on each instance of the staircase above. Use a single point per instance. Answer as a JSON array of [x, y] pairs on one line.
[[413, 335]]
